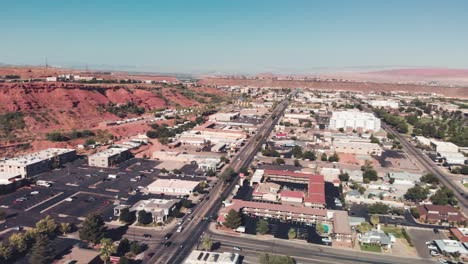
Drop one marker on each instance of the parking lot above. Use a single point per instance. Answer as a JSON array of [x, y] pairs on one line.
[[419, 237], [82, 204], [27, 197]]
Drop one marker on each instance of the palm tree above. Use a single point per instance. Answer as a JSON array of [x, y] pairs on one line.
[[107, 249], [207, 243]]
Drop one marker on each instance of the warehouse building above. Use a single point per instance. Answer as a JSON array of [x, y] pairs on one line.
[[109, 157], [38, 162], [358, 148], [173, 186]]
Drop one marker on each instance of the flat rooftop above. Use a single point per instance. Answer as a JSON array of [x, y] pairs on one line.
[[108, 152], [36, 156]]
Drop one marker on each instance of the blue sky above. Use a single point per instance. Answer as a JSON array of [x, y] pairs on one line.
[[202, 36]]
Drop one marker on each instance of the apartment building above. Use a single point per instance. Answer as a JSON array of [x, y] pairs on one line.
[[354, 120]]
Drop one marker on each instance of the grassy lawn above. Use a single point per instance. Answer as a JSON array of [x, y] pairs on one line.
[[371, 248], [466, 185], [394, 230]]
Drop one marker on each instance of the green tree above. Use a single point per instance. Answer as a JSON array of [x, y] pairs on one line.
[[126, 216], [370, 174], [363, 227], [266, 258], [18, 242], [416, 194], [415, 212], [46, 226], [344, 177], [378, 208], [297, 163], [374, 140], [324, 157], [262, 227], [309, 155], [334, 158], [443, 196], [42, 251], [6, 252], [207, 243], [106, 250], [123, 247], [136, 248], [430, 178], [65, 228], [228, 174], [279, 161], [319, 228], [375, 220], [233, 219], [145, 218], [297, 151], [292, 233], [92, 228]]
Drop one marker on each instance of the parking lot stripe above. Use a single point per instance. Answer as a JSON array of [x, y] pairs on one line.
[[34, 206], [52, 206]]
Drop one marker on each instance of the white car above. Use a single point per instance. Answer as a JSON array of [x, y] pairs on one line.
[[180, 229], [434, 253], [69, 199], [432, 247], [429, 242], [34, 192]]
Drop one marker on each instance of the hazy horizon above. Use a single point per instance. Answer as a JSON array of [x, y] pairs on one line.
[[207, 37]]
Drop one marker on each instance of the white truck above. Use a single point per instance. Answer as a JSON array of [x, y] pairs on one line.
[[43, 183], [112, 176]]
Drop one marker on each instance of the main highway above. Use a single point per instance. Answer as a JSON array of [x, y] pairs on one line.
[[186, 240], [429, 166]]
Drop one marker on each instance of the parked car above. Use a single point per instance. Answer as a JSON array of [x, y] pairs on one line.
[[147, 235], [434, 253], [167, 236], [436, 230], [180, 229], [237, 248], [34, 192], [432, 247]]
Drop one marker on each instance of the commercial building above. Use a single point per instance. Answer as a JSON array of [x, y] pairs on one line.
[[441, 146], [38, 162], [460, 233], [354, 120], [173, 186], [451, 246], [452, 158], [223, 117], [160, 209], [404, 178], [342, 235], [206, 257], [109, 157], [358, 148]]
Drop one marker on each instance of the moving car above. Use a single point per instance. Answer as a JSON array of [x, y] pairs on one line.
[[167, 236], [168, 244]]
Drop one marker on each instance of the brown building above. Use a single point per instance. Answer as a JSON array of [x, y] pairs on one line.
[[437, 214]]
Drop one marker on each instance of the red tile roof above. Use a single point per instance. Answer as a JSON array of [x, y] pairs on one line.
[[459, 235], [292, 194], [440, 212]]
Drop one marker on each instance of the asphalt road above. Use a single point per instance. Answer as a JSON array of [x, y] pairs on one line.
[[196, 228], [304, 253], [430, 167]]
